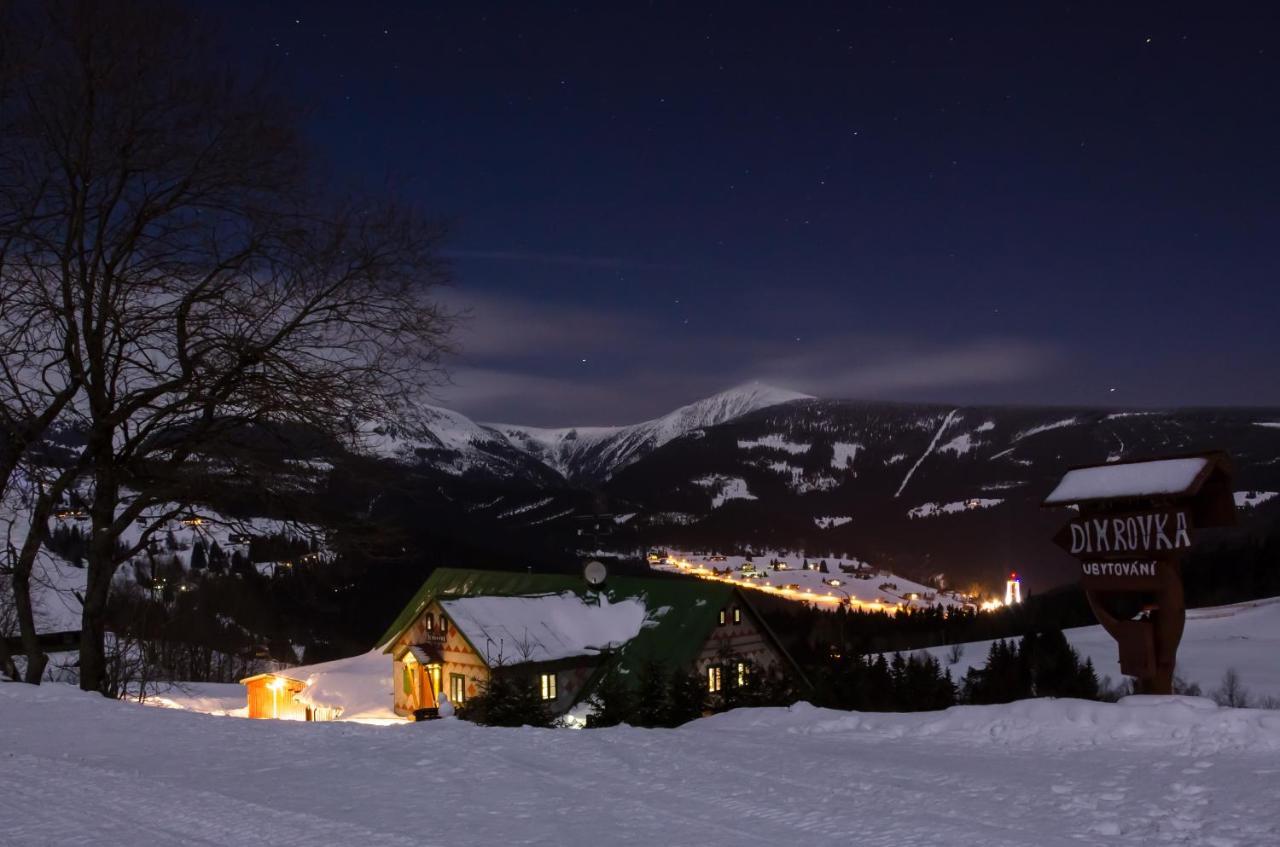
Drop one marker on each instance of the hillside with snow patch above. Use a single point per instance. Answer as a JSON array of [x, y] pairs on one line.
[[928, 489]]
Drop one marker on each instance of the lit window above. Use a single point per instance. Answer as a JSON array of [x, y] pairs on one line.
[[713, 678], [457, 688], [722, 617], [742, 674], [431, 622], [737, 615], [548, 685]]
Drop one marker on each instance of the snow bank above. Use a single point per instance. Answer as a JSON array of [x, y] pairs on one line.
[[1249, 499], [208, 698], [359, 685], [1183, 725], [1136, 479], [725, 488], [546, 627], [775, 442], [960, 445], [929, 510], [843, 453]]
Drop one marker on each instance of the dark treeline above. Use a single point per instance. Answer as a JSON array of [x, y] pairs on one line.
[[1038, 665], [657, 697], [1234, 568]]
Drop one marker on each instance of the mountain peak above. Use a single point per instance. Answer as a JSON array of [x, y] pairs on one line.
[[763, 392]]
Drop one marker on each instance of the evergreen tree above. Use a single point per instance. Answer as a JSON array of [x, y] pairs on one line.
[[509, 698], [878, 689], [613, 701], [1087, 686], [1055, 665], [653, 706], [199, 557], [687, 696], [217, 558]]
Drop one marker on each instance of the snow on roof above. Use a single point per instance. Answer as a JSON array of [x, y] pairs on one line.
[[359, 685], [545, 627], [1133, 479]]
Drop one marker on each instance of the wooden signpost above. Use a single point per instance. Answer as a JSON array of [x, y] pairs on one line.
[[1135, 521]]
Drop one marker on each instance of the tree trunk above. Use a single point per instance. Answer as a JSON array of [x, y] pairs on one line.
[[101, 560], [21, 582], [7, 665], [36, 659]]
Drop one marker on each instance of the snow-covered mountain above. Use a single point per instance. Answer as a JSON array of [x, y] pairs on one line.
[[920, 489], [453, 443], [596, 453]]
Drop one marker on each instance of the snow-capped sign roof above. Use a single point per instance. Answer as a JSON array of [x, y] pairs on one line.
[[511, 630], [1122, 480]]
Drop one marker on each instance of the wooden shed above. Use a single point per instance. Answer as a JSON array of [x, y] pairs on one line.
[[354, 688], [274, 696]]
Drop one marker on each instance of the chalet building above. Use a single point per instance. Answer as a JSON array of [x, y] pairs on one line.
[[464, 626]]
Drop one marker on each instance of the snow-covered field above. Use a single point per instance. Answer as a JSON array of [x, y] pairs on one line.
[[78, 769], [1244, 636]]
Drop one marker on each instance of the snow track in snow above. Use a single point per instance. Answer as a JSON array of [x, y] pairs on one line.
[[951, 416]]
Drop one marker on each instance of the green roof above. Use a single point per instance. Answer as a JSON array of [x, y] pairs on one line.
[[683, 611]]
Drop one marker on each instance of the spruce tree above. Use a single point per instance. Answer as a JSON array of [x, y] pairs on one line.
[[199, 559], [653, 704], [612, 701], [217, 558], [687, 697]]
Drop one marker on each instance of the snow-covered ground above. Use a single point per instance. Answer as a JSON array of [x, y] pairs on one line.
[[82, 770], [929, 510], [846, 580], [1244, 636]]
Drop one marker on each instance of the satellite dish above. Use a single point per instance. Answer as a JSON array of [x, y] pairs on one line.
[[594, 573]]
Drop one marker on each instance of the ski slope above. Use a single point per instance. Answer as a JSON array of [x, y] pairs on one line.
[[80, 770]]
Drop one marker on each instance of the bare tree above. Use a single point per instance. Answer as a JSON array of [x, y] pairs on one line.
[[1232, 692], [191, 279]]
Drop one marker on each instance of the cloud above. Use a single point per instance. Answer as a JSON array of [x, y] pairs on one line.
[[523, 362], [497, 326], [891, 367]]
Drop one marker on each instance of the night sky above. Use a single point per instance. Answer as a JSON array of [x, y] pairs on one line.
[[1009, 203]]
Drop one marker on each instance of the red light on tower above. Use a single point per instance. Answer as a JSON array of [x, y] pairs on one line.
[[1012, 589]]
